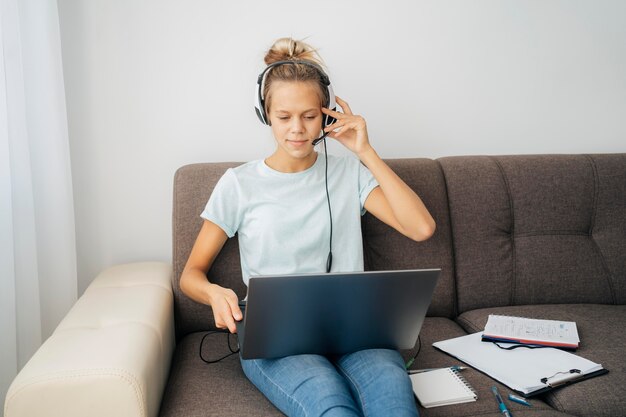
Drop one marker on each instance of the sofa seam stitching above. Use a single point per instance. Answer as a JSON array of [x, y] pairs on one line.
[[469, 324], [596, 192], [552, 233], [155, 330], [555, 400], [512, 211], [455, 307], [594, 174]]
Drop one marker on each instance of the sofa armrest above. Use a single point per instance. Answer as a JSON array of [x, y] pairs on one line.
[[109, 356]]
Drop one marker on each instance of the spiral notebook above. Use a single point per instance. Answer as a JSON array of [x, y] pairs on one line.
[[441, 387]]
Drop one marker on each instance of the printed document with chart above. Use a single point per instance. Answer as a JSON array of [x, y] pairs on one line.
[[561, 334]]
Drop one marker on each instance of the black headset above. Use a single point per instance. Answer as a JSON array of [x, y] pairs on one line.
[[259, 106], [259, 102]]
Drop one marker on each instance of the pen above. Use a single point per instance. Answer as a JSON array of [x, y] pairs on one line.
[[454, 368], [519, 400], [503, 408]]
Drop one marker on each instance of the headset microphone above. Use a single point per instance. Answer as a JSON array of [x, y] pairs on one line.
[[321, 138]]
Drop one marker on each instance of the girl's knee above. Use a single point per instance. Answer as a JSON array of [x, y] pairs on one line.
[[386, 358]]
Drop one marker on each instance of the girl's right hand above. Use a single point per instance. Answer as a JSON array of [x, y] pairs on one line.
[[225, 305]]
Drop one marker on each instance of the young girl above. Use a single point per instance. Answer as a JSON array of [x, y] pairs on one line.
[[279, 207]]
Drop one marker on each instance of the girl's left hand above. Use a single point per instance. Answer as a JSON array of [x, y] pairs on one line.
[[352, 128]]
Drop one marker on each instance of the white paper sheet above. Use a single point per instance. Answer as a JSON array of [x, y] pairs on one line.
[[520, 369]]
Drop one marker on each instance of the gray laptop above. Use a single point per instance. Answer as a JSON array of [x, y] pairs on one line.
[[334, 314]]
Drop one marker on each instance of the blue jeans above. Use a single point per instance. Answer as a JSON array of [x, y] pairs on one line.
[[367, 383]]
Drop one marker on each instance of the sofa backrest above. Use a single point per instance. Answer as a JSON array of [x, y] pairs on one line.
[[538, 229], [387, 249], [384, 248]]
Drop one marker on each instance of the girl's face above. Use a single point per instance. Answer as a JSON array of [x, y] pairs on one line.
[[296, 118]]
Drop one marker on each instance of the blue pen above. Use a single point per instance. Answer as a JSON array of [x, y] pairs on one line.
[[419, 371], [503, 408], [519, 400]]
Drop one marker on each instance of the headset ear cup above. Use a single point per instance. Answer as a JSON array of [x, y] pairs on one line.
[[259, 105], [332, 105], [259, 115]]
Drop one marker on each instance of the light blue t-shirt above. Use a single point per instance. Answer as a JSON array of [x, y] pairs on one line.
[[282, 218]]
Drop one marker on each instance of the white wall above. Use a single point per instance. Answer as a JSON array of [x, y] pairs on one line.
[[153, 85]]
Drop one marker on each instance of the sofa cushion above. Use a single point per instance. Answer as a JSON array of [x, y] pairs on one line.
[[386, 249], [536, 229], [602, 340], [219, 389]]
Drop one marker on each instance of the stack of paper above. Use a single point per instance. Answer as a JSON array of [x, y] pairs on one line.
[[531, 331], [527, 371]]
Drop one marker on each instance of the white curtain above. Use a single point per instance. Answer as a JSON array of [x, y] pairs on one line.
[[38, 283]]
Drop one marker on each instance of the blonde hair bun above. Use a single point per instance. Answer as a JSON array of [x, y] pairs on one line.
[[289, 49]]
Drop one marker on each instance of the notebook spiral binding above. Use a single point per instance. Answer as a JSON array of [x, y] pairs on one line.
[[462, 379]]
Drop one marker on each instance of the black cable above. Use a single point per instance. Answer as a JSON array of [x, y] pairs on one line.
[[329, 261], [232, 352], [419, 347], [521, 346]]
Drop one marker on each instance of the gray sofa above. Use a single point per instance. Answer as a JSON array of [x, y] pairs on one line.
[[539, 236]]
